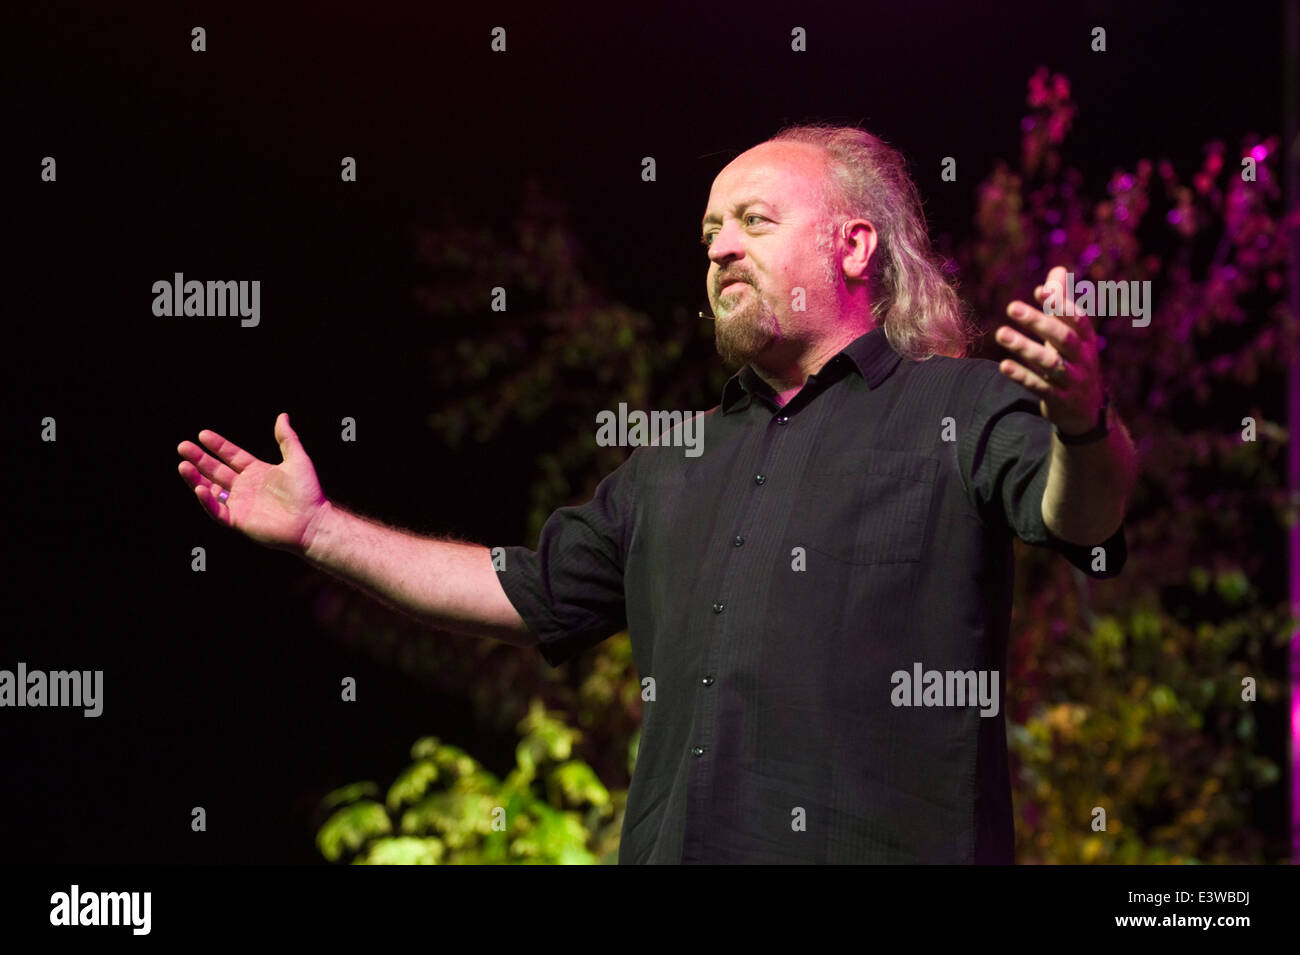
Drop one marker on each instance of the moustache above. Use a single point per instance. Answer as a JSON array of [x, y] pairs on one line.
[[710, 316]]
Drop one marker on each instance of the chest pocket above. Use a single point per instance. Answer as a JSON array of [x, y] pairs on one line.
[[871, 509]]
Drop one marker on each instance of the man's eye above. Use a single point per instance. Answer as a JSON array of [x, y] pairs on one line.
[[707, 239]]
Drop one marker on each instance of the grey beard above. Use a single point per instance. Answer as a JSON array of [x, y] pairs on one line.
[[742, 334]]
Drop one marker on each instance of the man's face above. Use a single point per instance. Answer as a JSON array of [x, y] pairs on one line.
[[766, 236]]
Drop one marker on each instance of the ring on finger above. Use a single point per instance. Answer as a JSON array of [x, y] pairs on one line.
[[1059, 373]]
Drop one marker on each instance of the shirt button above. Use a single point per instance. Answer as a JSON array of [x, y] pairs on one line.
[[707, 680], [697, 750], [759, 479], [717, 607], [739, 540], [781, 419]]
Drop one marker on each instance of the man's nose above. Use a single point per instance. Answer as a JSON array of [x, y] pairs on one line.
[[726, 244]]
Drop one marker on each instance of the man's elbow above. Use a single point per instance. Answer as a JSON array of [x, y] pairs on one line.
[[1084, 532]]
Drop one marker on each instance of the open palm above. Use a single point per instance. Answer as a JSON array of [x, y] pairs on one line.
[[272, 504]]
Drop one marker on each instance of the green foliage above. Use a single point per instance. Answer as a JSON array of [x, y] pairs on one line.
[[445, 808], [350, 827], [1145, 719]]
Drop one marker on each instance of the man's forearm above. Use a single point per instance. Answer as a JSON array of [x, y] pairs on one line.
[[445, 583], [1088, 486]]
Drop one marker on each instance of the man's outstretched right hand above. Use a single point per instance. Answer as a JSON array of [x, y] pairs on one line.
[[275, 505]]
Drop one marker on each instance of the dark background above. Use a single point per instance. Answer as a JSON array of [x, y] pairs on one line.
[[220, 691]]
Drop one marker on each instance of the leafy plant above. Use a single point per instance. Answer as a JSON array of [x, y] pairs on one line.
[[445, 808]]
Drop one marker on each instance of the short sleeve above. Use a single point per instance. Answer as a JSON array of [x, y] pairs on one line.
[[569, 591], [1004, 452]]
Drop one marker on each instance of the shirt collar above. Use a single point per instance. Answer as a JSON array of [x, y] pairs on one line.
[[870, 354]]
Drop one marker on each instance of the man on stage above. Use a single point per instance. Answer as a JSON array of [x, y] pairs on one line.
[[819, 602]]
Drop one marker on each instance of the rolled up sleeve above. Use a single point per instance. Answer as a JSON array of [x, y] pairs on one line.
[[570, 590], [1005, 452]]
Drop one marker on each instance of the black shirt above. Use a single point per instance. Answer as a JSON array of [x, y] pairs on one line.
[[778, 587]]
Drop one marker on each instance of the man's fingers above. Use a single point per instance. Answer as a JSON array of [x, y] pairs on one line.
[[1057, 276], [229, 452], [1022, 375], [206, 464], [191, 475], [195, 478], [218, 511], [1058, 331], [206, 491], [1030, 352], [1052, 295], [1061, 304], [286, 436]]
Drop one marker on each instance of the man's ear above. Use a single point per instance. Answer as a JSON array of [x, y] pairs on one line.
[[860, 241]]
